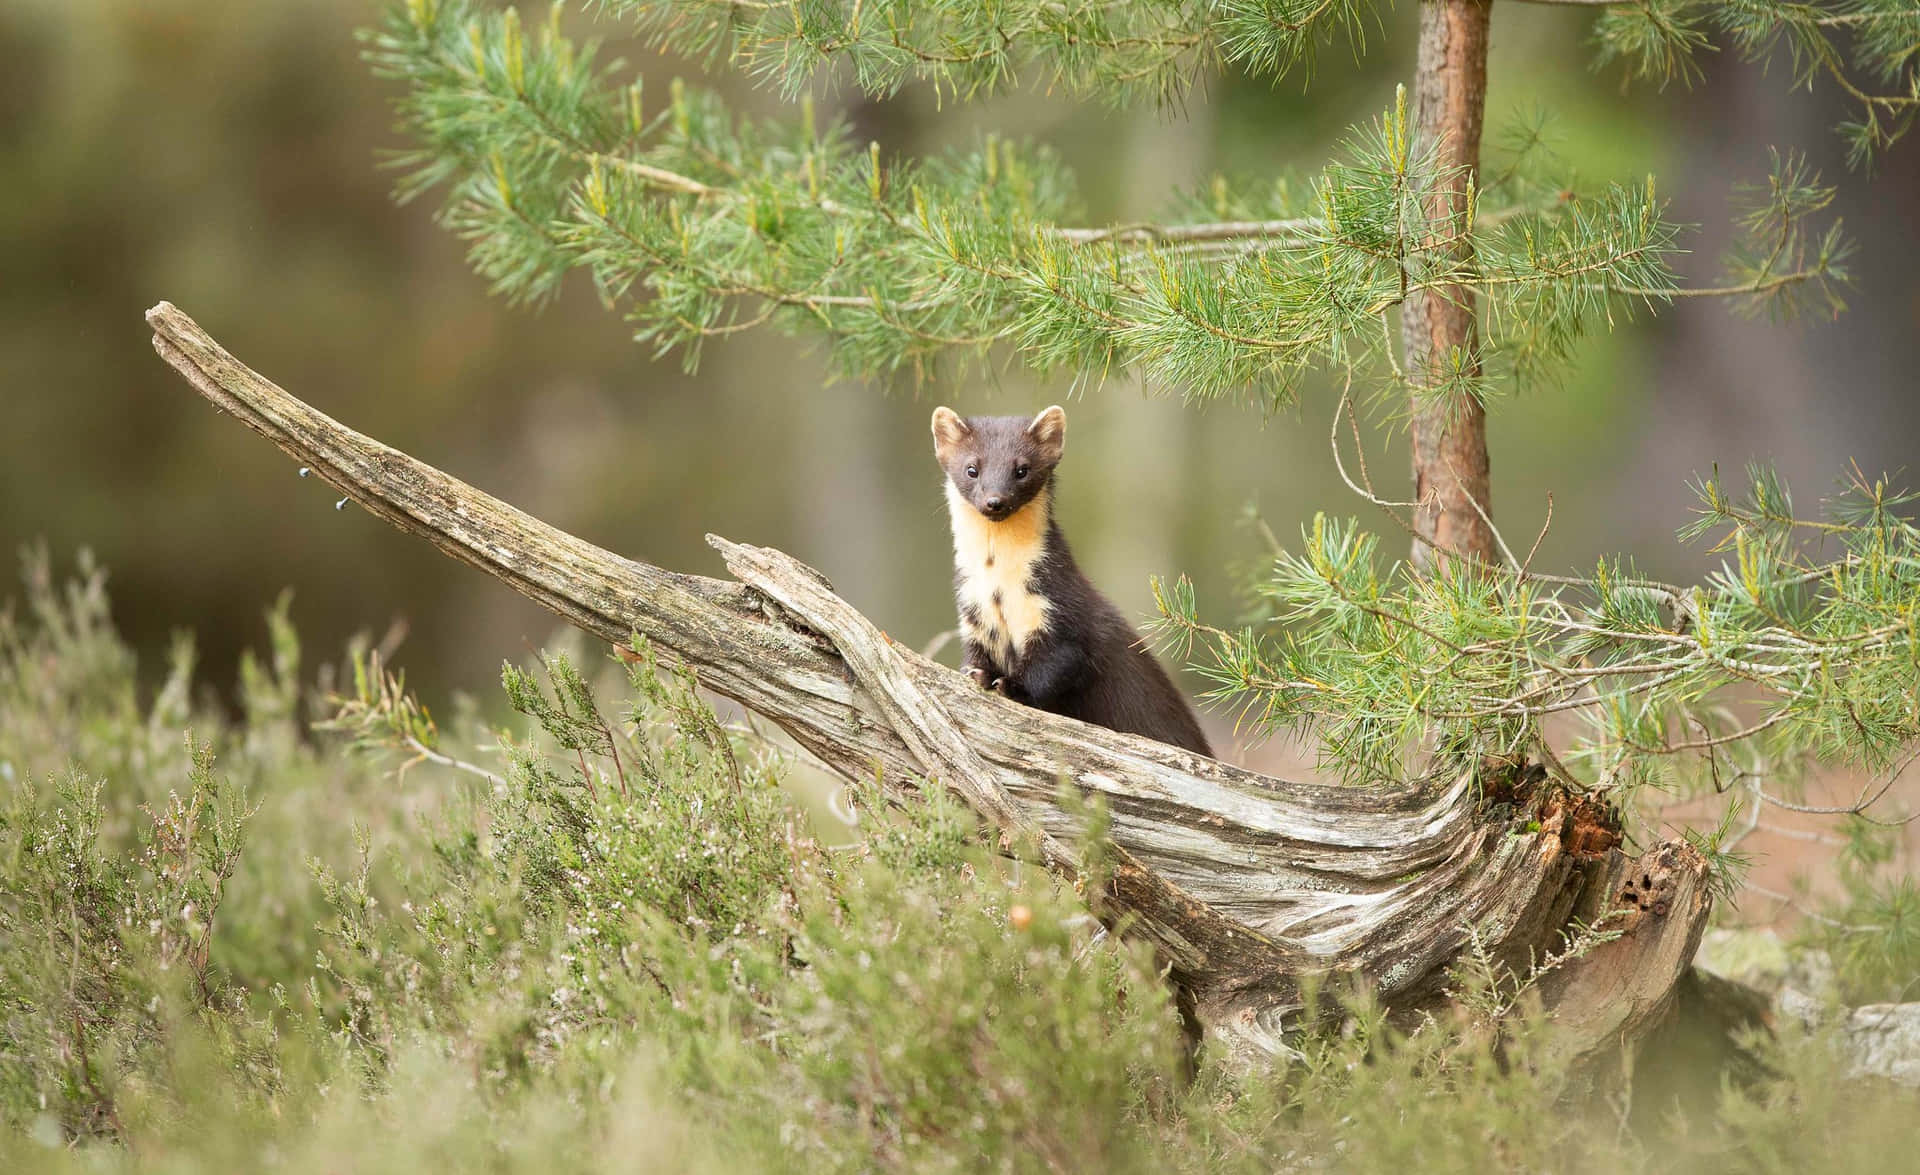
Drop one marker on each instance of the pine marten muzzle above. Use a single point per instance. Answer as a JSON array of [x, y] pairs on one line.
[[1035, 629]]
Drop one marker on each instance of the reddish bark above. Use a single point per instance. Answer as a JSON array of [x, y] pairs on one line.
[[1438, 327]]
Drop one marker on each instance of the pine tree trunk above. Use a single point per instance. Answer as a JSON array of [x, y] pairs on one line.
[[1438, 327]]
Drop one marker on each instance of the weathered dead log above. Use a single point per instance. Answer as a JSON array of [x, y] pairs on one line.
[[1249, 885]]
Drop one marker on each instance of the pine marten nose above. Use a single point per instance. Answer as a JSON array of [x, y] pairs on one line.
[[994, 503]]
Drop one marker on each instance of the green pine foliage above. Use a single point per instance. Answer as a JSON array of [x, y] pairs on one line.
[[342, 946], [1116, 52], [1872, 933], [697, 224], [1801, 651], [1092, 48], [1867, 49]]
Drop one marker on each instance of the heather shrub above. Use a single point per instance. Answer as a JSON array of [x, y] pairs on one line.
[[596, 932]]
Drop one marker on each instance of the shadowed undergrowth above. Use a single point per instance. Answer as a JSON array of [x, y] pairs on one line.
[[600, 934]]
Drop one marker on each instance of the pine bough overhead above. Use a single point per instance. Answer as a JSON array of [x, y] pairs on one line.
[[697, 223]]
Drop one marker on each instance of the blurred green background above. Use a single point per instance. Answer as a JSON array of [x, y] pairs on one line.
[[225, 156]]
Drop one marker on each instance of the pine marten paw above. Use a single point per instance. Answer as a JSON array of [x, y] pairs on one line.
[[985, 680]]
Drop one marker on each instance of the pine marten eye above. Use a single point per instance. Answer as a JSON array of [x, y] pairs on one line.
[[1020, 472], [973, 471]]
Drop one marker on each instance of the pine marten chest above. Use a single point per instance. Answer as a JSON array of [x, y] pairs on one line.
[[994, 574]]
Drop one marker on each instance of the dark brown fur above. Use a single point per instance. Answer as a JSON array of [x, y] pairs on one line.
[[1084, 659]]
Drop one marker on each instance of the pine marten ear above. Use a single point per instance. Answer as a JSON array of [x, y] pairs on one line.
[[948, 430], [1049, 432]]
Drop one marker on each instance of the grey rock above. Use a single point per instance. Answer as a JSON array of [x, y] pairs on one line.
[[1791, 1005], [1761, 960], [1883, 1041]]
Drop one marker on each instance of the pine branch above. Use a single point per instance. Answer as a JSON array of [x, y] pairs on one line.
[[698, 225], [1660, 39], [963, 49], [1779, 659]]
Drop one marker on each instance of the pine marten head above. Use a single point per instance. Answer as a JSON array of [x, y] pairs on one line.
[[999, 463]]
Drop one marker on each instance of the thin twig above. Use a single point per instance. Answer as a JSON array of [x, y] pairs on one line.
[[1505, 551], [423, 751], [1526, 565]]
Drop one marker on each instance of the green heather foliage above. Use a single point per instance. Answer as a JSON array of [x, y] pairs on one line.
[[605, 939]]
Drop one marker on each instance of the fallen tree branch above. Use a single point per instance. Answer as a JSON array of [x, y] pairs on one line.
[[1247, 884]]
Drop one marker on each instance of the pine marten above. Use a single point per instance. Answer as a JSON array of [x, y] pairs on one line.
[[1035, 629]]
